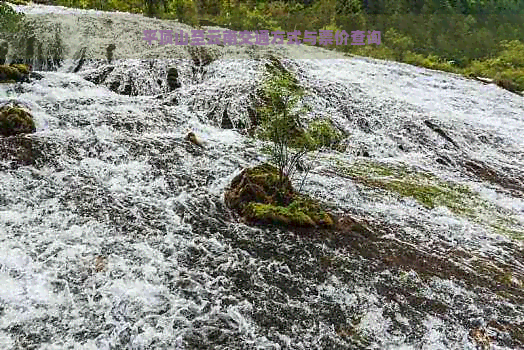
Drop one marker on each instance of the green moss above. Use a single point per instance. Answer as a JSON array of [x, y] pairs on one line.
[[506, 279], [274, 214], [324, 134], [15, 120], [13, 73], [9, 73], [301, 213], [432, 192], [427, 189], [22, 68]]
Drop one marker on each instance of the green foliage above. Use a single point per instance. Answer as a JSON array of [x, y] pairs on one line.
[[480, 37], [280, 110], [399, 43], [185, 11], [512, 53], [9, 18], [322, 133]]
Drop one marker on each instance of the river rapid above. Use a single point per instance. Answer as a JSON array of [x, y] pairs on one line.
[[114, 233]]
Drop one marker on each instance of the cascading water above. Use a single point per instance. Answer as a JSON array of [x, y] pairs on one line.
[[115, 234]]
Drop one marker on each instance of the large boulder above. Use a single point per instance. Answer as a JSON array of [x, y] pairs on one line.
[[15, 151], [15, 119]]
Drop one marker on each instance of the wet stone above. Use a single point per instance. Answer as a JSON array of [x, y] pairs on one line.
[[15, 119]]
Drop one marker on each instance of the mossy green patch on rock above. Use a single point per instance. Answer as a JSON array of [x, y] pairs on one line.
[[14, 72], [427, 189], [9, 73], [15, 120], [260, 196], [22, 68], [431, 192], [259, 184], [301, 212], [275, 214]]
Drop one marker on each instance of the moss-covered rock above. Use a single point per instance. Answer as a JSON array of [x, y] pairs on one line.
[[260, 184], [15, 120], [22, 68], [261, 196], [432, 192], [14, 73]]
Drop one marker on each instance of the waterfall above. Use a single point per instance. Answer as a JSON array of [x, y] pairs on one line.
[[114, 232]]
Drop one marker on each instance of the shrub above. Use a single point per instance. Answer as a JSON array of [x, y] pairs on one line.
[[280, 112], [323, 133]]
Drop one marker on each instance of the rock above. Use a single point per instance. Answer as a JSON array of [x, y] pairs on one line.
[[36, 76], [483, 80], [81, 57], [511, 180], [100, 263], [4, 49], [444, 160], [480, 337], [172, 78], [226, 121], [439, 131], [191, 137], [99, 76], [347, 225], [14, 73], [17, 150], [261, 196], [15, 119], [200, 55], [109, 52], [363, 124], [258, 185]]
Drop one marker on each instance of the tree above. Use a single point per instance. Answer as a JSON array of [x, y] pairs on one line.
[[280, 120]]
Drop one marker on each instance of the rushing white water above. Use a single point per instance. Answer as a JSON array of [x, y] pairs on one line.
[[116, 236]]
